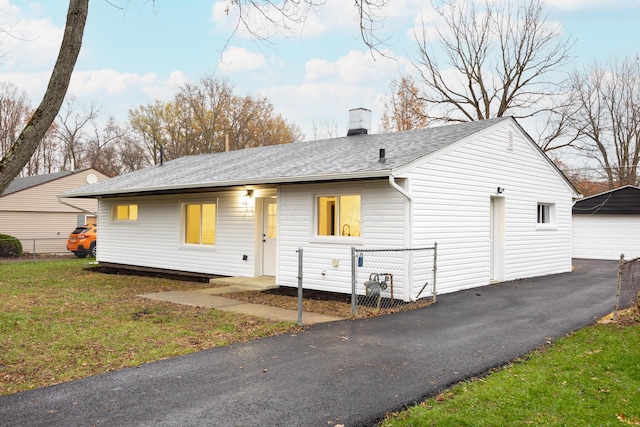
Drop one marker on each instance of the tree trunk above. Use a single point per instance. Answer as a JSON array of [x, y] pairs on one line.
[[27, 143]]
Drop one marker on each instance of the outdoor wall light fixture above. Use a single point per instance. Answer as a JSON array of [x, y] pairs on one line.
[[246, 198], [500, 190]]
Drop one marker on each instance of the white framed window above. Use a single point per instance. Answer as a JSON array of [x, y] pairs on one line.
[[124, 212], [546, 214], [338, 215], [199, 223]]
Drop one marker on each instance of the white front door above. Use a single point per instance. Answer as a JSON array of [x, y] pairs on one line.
[[497, 237], [269, 236]]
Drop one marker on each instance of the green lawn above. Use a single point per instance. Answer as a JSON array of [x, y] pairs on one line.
[[591, 378], [60, 322]]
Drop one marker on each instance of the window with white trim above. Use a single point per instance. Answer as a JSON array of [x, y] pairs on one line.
[[546, 213], [200, 223], [338, 215], [124, 212]]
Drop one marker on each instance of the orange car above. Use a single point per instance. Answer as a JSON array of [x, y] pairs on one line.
[[82, 241]]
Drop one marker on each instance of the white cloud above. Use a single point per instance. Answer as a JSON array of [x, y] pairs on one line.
[[354, 67], [27, 42], [107, 82], [238, 59], [590, 4], [34, 84], [164, 90], [320, 102]]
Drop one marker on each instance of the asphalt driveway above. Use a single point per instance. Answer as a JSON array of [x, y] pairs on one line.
[[348, 372]]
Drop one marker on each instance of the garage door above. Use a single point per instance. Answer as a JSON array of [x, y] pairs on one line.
[[606, 236]]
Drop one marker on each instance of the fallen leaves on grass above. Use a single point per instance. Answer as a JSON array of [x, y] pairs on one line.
[[328, 303]]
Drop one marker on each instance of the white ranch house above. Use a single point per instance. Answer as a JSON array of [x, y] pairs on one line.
[[496, 205]]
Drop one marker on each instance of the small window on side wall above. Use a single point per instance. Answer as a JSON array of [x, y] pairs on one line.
[[123, 212], [545, 213], [338, 215]]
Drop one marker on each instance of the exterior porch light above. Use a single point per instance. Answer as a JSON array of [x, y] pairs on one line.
[[246, 198]]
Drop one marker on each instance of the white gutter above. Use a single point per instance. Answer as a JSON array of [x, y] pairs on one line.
[[394, 184], [75, 207]]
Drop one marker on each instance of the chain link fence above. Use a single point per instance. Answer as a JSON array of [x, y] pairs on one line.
[[389, 278], [11, 249], [628, 289]]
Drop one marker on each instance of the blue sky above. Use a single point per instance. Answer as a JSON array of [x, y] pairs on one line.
[[145, 49]]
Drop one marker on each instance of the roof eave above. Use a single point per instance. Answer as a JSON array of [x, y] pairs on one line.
[[211, 185]]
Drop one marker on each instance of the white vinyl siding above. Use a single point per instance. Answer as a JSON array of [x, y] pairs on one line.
[[451, 193], [606, 236], [383, 225], [156, 239], [451, 205]]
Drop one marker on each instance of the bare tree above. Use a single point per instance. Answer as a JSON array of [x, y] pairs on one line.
[[103, 148], [403, 108], [501, 57], [22, 149], [26, 144], [263, 18], [606, 119], [48, 157], [205, 117], [14, 113], [72, 133], [132, 155], [208, 101], [147, 124], [325, 129]]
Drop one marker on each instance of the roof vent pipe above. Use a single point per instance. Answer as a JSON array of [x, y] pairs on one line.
[[359, 121], [382, 158]]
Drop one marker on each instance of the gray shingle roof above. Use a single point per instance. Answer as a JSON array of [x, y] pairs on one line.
[[338, 158], [23, 183]]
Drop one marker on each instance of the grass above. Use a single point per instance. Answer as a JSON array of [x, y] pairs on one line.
[[590, 378], [60, 322]]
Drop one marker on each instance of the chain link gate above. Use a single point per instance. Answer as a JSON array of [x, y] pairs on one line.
[[628, 289], [388, 278]]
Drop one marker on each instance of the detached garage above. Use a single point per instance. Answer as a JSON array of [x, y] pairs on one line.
[[607, 225]]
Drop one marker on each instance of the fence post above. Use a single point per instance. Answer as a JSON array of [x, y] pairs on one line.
[[618, 286], [300, 258], [435, 269], [354, 305]]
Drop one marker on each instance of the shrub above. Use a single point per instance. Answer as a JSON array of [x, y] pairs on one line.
[[10, 247]]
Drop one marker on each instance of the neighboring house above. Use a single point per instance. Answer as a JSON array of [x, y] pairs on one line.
[[607, 225], [30, 209], [484, 191]]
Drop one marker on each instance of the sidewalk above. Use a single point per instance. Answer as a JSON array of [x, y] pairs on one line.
[[210, 298]]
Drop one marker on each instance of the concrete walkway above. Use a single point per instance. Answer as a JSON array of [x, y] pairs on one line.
[[210, 298], [350, 372]]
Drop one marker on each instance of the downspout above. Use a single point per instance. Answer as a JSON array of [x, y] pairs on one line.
[[409, 212], [76, 207], [408, 217], [394, 184]]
